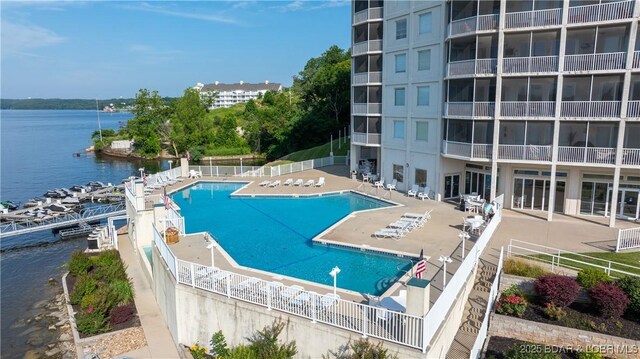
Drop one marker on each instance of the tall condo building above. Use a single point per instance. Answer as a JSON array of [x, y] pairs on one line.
[[537, 99]]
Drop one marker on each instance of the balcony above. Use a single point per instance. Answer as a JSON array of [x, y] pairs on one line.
[[367, 78], [590, 109], [633, 109], [366, 108], [472, 67], [631, 156], [361, 138], [513, 65], [368, 14], [524, 153], [594, 62], [472, 151], [594, 155], [367, 46], [535, 18], [527, 109], [601, 12], [636, 59], [473, 24], [470, 109]]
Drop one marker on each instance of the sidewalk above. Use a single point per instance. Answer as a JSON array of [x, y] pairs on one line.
[[159, 341]]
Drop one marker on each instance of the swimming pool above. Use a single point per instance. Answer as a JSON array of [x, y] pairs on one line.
[[275, 234]]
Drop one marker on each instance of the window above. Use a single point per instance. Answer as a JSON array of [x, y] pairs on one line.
[[398, 129], [422, 131], [424, 60], [401, 29], [399, 96], [424, 21], [401, 63], [398, 173], [421, 177], [423, 95]]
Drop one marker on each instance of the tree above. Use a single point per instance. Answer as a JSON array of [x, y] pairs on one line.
[[149, 113], [189, 127]]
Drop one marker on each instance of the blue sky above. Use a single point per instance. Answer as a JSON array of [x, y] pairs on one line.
[[112, 49]]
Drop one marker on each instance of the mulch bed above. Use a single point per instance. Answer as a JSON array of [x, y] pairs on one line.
[[498, 346]]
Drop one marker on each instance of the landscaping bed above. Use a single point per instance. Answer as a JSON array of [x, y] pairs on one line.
[[505, 348]]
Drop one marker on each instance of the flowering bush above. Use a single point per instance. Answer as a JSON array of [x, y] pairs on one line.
[[172, 230], [512, 302], [609, 299], [197, 351], [553, 312], [557, 289]]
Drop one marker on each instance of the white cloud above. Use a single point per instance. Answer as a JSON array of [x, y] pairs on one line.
[[306, 5], [20, 38], [150, 55], [211, 17]]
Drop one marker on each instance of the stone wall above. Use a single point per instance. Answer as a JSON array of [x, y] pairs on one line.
[[546, 334]]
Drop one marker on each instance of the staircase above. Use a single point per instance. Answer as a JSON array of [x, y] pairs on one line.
[[474, 311]]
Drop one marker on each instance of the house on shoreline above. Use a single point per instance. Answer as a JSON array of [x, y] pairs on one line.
[[228, 95]]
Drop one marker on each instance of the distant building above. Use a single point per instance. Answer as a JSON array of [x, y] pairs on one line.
[[231, 94]]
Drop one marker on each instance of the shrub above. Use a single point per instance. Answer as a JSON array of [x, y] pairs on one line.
[[557, 289], [79, 263], [512, 302], [590, 354], [631, 286], [219, 344], [523, 269], [198, 352], [518, 351], [553, 312], [241, 352], [121, 314], [108, 266], [610, 300], [122, 290], [91, 322], [87, 300], [264, 343], [104, 300], [589, 277], [84, 285]]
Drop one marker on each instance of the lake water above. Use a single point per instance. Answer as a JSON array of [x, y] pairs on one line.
[[36, 150]]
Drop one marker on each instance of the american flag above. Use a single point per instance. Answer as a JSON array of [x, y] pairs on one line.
[[188, 156], [166, 199], [421, 267]]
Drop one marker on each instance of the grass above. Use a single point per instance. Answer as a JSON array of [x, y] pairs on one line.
[[318, 152], [629, 258], [521, 268]]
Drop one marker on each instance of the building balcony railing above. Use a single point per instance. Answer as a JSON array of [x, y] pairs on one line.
[[590, 109], [362, 138], [467, 150], [595, 155], [367, 78], [472, 67], [601, 12], [473, 24], [633, 109], [512, 65], [470, 109], [524, 152], [367, 46], [535, 18], [527, 109], [591, 62], [368, 14], [636, 59], [631, 156], [367, 108]]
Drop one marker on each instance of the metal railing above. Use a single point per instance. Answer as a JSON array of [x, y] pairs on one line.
[[367, 14], [633, 109], [367, 46], [469, 150], [599, 155], [529, 64], [631, 156], [307, 165], [165, 252], [628, 239], [636, 59], [229, 171], [601, 12], [533, 18], [527, 109], [590, 109], [366, 77], [174, 219], [524, 152], [594, 62], [366, 108], [472, 67], [366, 138], [566, 259], [473, 24], [470, 109]]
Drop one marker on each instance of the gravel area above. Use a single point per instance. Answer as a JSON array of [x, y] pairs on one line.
[[119, 343]]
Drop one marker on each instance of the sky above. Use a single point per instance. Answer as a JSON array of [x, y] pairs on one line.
[[109, 49]]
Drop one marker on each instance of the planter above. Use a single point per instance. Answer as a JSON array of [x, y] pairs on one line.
[[172, 235]]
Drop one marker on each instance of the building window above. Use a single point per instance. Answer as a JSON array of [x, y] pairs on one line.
[[422, 131], [399, 96], [398, 173], [421, 178], [401, 29], [401, 63], [424, 60], [398, 129], [423, 95], [424, 22]]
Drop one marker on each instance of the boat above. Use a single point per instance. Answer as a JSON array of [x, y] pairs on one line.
[[96, 185], [33, 202], [9, 205], [80, 188], [54, 193]]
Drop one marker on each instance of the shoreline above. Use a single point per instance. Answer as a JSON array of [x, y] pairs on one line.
[[131, 155]]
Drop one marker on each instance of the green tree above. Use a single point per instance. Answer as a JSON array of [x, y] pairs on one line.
[[149, 113], [189, 127]]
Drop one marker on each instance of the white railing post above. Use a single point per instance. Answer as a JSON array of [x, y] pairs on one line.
[[193, 277], [618, 241], [229, 286]]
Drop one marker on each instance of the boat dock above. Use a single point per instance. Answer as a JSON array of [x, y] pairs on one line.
[[82, 230]]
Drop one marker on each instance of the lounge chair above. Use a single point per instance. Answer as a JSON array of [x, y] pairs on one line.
[[264, 183], [424, 193], [413, 191], [177, 179], [275, 183], [388, 233], [304, 298], [288, 182], [246, 284], [298, 182], [195, 174], [320, 182], [291, 292], [392, 185], [309, 183], [168, 180], [328, 300], [379, 183]]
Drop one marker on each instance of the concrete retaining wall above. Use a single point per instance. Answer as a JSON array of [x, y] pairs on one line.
[[164, 290]]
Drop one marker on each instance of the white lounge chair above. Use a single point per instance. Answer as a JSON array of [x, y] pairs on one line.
[[424, 193], [379, 183], [298, 182], [392, 185], [195, 174], [264, 183], [246, 284], [168, 180], [291, 292], [413, 191], [309, 183], [328, 300], [288, 182], [388, 233], [275, 183], [320, 182]]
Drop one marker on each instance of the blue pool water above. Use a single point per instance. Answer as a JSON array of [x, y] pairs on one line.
[[274, 234]]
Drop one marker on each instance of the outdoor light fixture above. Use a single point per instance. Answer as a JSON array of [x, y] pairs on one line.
[[334, 273], [444, 260], [463, 236], [211, 247]]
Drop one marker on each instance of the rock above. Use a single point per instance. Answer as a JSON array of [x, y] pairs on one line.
[[61, 323], [68, 355], [29, 321], [52, 327], [31, 354], [35, 341], [38, 317], [65, 337], [51, 345], [41, 304], [52, 352], [53, 281]]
